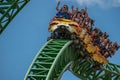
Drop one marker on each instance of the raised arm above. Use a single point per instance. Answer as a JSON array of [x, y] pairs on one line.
[[72, 8], [57, 7]]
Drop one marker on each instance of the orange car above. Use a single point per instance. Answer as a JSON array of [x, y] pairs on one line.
[[60, 25], [70, 25]]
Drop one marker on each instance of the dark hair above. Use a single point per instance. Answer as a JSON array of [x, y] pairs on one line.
[[78, 13], [66, 6], [92, 22], [97, 30], [105, 35]]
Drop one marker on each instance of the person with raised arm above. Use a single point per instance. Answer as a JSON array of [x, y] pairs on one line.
[[63, 12]]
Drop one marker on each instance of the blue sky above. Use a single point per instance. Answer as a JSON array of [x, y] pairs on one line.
[[28, 32]]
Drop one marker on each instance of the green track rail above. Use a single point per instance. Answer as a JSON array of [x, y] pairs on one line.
[[85, 71], [51, 61], [8, 10], [57, 56]]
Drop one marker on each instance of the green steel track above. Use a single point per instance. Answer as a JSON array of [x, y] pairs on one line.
[[83, 70], [8, 10], [57, 56]]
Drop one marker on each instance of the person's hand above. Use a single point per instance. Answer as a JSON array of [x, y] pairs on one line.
[[85, 8], [59, 2], [57, 7], [72, 7]]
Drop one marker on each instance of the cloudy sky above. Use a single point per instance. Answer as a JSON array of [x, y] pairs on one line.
[[101, 3], [28, 32]]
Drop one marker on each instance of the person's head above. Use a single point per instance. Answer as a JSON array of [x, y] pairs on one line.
[[65, 8], [115, 44], [105, 35], [89, 28], [87, 19], [93, 32], [83, 11], [97, 30], [105, 41], [101, 39], [77, 9], [78, 14], [92, 22]]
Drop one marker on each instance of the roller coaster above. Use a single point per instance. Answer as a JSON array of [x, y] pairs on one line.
[[64, 50]]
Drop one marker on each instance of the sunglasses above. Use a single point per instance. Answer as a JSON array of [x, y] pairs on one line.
[[65, 7]]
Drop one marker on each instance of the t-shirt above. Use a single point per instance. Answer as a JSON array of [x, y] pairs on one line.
[[77, 20], [61, 14]]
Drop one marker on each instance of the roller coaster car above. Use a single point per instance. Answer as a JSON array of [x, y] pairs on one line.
[[95, 54], [64, 28]]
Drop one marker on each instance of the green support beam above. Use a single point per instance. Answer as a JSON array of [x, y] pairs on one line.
[[57, 56], [8, 10], [85, 71]]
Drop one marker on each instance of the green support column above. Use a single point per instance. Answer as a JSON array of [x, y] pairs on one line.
[[8, 10]]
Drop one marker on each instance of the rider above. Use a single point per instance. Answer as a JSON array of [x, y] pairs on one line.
[[77, 18], [73, 12], [63, 12]]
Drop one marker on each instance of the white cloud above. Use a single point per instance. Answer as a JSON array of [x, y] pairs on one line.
[[116, 3], [88, 2], [101, 3]]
